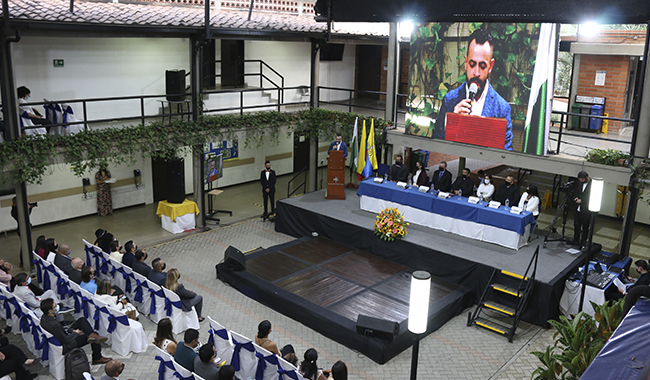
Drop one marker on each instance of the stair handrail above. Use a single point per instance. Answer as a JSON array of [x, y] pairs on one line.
[[303, 184], [526, 277]]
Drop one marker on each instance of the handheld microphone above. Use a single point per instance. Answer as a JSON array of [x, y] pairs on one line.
[[473, 89]]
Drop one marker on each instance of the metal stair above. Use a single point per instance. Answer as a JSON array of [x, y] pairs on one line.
[[504, 300]]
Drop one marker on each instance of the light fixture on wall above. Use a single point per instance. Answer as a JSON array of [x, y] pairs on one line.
[[418, 313]]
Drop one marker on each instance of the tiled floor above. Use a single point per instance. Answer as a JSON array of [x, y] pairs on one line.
[[453, 352]]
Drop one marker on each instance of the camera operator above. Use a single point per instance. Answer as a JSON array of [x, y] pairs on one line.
[[14, 214], [582, 217]]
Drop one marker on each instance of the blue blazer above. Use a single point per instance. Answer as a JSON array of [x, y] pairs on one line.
[[495, 106], [344, 148]]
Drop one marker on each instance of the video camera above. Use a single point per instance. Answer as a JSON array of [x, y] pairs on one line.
[[568, 188]]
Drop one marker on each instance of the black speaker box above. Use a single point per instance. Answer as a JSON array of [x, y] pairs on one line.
[[175, 181], [175, 85], [375, 327], [234, 260]]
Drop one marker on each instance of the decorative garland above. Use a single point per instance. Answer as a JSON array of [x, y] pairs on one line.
[[30, 157], [390, 224]]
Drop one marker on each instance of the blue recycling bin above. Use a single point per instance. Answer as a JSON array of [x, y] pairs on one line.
[[596, 124]]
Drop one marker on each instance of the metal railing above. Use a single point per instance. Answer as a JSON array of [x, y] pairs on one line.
[[260, 73], [303, 184], [351, 97], [564, 116]]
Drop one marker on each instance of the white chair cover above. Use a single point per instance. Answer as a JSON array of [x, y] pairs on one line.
[[287, 371], [243, 358], [87, 376], [69, 117], [53, 113], [26, 122], [267, 364], [181, 320], [222, 341], [171, 370], [142, 296]]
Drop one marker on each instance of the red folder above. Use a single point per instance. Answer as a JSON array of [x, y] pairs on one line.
[[476, 130]]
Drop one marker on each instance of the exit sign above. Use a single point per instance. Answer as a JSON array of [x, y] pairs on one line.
[[57, 62]]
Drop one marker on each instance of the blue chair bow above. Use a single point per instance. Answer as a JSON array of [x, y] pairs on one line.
[[290, 373], [138, 291], [235, 355], [112, 320], [152, 308]]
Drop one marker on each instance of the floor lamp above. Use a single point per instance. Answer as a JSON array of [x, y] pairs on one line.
[[418, 313], [595, 199]]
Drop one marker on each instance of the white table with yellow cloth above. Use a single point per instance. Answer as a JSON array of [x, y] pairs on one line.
[[177, 217]]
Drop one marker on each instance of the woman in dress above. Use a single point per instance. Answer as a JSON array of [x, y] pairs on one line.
[[104, 200], [165, 337], [308, 367], [529, 200], [104, 294], [188, 298], [262, 340]]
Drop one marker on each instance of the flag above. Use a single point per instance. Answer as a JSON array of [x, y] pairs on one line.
[[538, 117], [361, 160], [370, 149], [354, 146]]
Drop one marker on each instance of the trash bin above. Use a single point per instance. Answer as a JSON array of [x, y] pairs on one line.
[[596, 124], [584, 121], [575, 120]]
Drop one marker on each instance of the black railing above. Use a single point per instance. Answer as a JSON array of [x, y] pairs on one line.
[[352, 96], [260, 73], [303, 184], [563, 128]]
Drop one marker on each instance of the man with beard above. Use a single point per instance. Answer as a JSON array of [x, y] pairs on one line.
[[508, 191], [479, 62]]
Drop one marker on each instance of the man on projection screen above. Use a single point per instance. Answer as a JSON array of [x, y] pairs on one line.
[[476, 96]]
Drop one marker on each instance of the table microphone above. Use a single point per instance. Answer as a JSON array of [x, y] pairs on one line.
[[473, 89]]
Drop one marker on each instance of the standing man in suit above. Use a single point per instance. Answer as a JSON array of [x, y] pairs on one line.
[[267, 180], [441, 178], [582, 215], [479, 62], [338, 144], [463, 185]]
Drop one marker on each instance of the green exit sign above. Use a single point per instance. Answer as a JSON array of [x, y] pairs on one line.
[[57, 62]]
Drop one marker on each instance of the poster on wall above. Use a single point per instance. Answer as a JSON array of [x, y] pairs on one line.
[[213, 167], [228, 148], [486, 84]]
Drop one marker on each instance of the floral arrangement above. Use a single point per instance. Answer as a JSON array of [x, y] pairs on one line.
[[390, 225]]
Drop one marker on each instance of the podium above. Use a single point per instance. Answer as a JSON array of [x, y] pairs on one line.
[[335, 175]]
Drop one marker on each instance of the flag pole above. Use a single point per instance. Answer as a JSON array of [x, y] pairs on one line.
[[355, 153]]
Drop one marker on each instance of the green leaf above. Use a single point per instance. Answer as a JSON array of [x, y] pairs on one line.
[[462, 78], [511, 58], [424, 32], [510, 29], [430, 62]]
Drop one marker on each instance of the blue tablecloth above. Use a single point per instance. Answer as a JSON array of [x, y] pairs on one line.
[[454, 207]]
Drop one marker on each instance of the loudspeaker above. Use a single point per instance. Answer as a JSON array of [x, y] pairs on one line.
[[175, 85], [379, 328], [234, 260], [175, 181]]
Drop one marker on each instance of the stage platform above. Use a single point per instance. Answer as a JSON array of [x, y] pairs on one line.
[[449, 257], [326, 286]]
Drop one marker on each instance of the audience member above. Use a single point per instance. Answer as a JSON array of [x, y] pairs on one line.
[[529, 200], [139, 265], [262, 340], [485, 188], [227, 372], [113, 370], [129, 253], [115, 251], [508, 192], [88, 279], [5, 272], [62, 259], [104, 239], [463, 185], [308, 367], [50, 246], [14, 360], [420, 175], [204, 365], [39, 247], [633, 295], [75, 272], [23, 95], [77, 335], [339, 371], [188, 298], [158, 274], [120, 302], [164, 338], [23, 292], [185, 353]]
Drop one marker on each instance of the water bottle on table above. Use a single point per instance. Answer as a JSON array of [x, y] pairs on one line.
[[507, 203]]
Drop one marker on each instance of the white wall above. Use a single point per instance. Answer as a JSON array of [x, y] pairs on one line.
[[338, 74]]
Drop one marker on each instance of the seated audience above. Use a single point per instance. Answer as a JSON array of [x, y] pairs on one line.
[[129, 253], [420, 175], [75, 272], [88, 279], [115, 251], [23, 292], [50, 246], [262, 340], [485, 188], [5, 272], [308, 367], [113, 370], [463, 185], [529, 200], [39, 247], [158, 275], [164, 338], [227, 372], [120, 302], [139, 265], [633, 295], [36, 117], [339, 371], [508, 192], [104, 239], [188, 298], [14, 360], [204, 365], [77, 335], [185, 353], [62, 259]]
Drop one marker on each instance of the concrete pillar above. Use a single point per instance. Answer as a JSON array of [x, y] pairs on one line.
[[393, 72], [573, 90], [197, 152], [313, 103]]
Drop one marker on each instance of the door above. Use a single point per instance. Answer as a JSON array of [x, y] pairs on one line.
[[368, 70], [232, 63], [300, 152]]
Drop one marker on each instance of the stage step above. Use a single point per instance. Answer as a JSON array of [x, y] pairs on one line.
[[496, 293]]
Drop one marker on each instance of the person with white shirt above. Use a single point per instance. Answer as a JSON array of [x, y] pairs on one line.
[[26, 295], [420, 175], [486, 188], [267, 180], [115, 251], [529, 200]]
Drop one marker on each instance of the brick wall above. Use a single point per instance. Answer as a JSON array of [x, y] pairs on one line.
[[613, 91]]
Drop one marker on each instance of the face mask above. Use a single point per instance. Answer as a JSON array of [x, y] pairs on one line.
[[29, 280], [441, 168], [56, 247], [464, 176], [57, 308], [486, 181], [164, 266], [27, 97]]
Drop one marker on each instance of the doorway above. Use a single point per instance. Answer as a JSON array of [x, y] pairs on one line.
[[368, 70]]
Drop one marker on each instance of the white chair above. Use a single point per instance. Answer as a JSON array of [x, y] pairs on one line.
[[270, 362], [128, 336], [171, 368], [222, 340], [158, 299], [26, 122], [196, 377], [181, 320], [144, 306], [69, 117], [87, 376], [162, 353], [247, 359], [288, 367]]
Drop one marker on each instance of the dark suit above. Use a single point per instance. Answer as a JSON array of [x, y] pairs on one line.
[[582, 218], [343, 147], [69, 339], [268, 184], [64, 263], [142, 268], [466, 185], [441, 183], [75, 276], [510, 193], [157, 277], [423, 180], [128, 259], [495, 106], [399, 173], [189, 299]]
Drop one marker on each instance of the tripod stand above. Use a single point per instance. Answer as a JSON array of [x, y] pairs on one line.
[[563, 210]]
